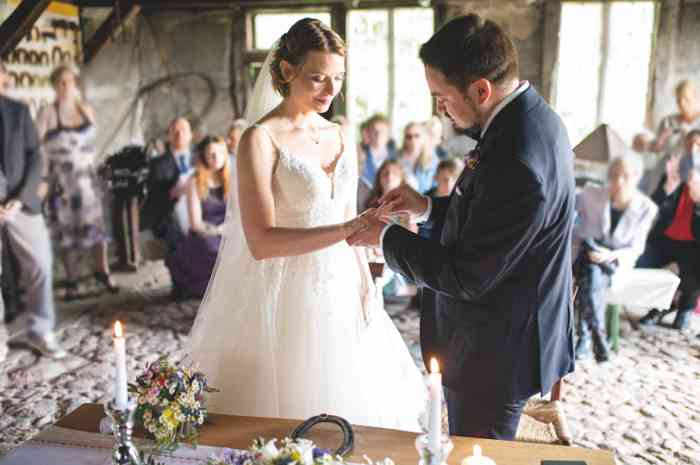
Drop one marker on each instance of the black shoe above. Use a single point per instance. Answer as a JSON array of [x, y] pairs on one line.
[[583, 347], [71, 291], [682, 320], [600, 346], [106, 280], [650, 318]]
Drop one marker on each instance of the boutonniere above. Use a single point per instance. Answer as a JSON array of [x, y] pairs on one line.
[[471, 159]]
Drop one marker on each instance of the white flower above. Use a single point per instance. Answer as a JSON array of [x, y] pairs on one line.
[[270, 450], [306, 450], [386, 461]]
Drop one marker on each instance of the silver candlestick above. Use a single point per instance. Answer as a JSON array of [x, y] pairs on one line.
[[430, 457], [125, 452]]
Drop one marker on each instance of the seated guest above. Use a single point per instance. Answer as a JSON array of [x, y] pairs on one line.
[[435, 133], [390, 176], [418, 158], [672, 131], [676, 235], [673, 128], [642, 144], [24, 226], [609, 236], [446, 175], [690, 154], [192, 263], [167, 182], [234, 135], [448, 171], [377, 149]]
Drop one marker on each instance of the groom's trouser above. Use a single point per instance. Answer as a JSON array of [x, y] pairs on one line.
[[30, 241], [476, 416]]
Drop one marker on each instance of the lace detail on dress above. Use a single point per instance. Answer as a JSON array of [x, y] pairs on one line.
[[304, 193]]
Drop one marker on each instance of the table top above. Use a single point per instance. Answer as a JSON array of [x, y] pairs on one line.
[[377, 443]]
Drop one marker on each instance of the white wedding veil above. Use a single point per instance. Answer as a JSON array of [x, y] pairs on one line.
[[236, 277], [264, 97]]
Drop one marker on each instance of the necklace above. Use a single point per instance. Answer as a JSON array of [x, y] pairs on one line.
[[311, 131]]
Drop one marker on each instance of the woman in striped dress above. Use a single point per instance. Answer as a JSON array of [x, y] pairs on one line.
[[76, 217]]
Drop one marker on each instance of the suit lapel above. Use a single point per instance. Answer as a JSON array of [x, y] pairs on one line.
[[4, 114], [462, 193]]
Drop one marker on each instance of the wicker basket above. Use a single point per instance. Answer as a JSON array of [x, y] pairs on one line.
[[544, 422]]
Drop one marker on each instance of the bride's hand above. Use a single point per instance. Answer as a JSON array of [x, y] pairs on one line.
[[358, 224]]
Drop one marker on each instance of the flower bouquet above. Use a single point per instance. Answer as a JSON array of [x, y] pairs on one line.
[[171, 402], [291, 452]]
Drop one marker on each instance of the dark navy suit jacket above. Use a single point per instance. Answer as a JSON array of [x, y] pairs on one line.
[[496, 272], [21, 157], [163, 175]]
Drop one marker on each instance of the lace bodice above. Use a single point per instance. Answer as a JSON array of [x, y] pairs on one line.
[[305, 195]]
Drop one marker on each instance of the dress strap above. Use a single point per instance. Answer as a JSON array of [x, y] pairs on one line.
[[342, 139], [269, 134]]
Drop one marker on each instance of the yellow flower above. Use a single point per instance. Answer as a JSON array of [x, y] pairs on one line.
[[169, 417]]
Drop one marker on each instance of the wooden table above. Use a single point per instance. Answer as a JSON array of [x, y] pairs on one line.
[[239, 432]]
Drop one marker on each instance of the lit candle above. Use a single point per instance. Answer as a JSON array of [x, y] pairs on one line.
[[120, 395], [435, 397], [477, 458]]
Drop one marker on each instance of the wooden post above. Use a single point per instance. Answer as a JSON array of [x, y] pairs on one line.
[[121, 14], [19, 23]]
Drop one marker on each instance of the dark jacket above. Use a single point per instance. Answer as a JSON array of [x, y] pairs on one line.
[[163, 175], [668, 204], [21, 156], [497, 303]]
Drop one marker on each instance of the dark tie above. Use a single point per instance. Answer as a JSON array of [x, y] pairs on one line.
[[182, 163]]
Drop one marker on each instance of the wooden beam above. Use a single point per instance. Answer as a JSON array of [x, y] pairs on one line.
[[19, 23], [121, 14]]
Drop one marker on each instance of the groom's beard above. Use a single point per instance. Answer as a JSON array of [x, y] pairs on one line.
[[473, 131]]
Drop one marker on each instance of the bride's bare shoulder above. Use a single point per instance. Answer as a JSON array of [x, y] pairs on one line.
[[256, 141]]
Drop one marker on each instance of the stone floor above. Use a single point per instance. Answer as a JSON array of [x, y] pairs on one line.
[[644, 404]]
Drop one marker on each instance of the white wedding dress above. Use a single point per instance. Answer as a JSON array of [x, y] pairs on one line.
[[286, 337]]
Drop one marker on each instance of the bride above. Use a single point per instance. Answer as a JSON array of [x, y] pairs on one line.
[[291, 325]]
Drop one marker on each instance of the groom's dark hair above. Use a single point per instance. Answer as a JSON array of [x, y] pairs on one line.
[[469, 48]]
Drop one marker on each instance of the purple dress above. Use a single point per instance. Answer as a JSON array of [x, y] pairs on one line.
[[192, 263]]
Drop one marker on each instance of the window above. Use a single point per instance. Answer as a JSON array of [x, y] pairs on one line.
[[604, 55], [385, 74], [268, 27]]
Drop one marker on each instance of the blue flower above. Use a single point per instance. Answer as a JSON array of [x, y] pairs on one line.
[[319, 453]]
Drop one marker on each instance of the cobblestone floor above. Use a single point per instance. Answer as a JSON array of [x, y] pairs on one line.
[[644, 404]]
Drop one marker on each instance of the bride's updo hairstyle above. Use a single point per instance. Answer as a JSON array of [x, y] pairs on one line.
[[306, 35]]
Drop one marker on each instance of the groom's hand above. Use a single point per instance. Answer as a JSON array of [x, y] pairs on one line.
[[369, 236], [403, 199]]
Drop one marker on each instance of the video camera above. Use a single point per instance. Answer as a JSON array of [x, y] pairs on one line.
[[126, 171]]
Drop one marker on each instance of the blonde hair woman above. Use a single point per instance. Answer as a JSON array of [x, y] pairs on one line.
[[76, 218]]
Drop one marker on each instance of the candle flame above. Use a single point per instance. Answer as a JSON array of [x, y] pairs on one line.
[[434, 366], [118, 329], [477, 450]]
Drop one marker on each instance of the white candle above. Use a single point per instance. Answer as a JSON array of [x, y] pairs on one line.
[[477, 458], [435, 397], [120, 394]]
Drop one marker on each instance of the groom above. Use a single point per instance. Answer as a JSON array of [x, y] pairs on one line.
[[497, 271]]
